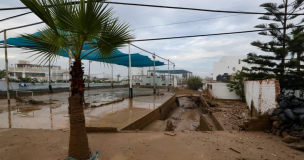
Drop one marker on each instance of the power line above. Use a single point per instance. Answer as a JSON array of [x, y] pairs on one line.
[[32, 24], [205, 35], [187, 21], [19, 15], [171, 7], [193, 36]]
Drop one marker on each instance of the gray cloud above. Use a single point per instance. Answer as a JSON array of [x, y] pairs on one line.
[[193, 54]]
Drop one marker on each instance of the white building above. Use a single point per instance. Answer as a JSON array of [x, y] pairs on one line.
[[25, 69], [229, 64]]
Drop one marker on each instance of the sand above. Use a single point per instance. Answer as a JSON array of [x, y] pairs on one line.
[[52, 145]]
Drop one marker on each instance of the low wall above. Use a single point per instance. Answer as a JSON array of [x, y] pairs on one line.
[[221, 91], [158, 113], [261, 95], [45, 86]]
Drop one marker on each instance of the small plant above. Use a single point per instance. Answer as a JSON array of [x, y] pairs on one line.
[[237, 85], [195, 83]]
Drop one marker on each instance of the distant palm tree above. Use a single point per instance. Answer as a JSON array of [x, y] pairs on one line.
[[70, 26]]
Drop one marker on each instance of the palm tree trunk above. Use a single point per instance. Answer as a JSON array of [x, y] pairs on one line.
[[78, 145]]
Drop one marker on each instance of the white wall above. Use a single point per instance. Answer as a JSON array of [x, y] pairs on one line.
[[221, 91], [39, 86], [262, 95], [226, 65]]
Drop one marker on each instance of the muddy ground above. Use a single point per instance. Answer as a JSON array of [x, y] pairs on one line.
[[230, 113], [52, 113], [52, 145]]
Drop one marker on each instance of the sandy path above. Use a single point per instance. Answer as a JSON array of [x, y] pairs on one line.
[[53, 145]]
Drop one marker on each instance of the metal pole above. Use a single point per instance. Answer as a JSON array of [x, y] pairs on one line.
[[154, 87], [168, 72], [173, 74], [112, 78], [50, 85], [6, 68], [130, 75], [89, 78]]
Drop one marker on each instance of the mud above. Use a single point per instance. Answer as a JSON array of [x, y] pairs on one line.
[[52, 145], [185, 117], [55, 116]]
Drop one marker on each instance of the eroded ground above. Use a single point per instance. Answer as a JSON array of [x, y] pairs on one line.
[[229, 113], [224, 145]]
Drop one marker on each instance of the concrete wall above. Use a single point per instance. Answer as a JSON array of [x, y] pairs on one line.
[[261, 95], [221, 91], [159, 113], [39, 86]]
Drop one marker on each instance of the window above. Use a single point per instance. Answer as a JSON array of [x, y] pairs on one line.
[[239, 61]]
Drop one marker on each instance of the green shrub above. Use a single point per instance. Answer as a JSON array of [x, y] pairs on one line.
[[195, 83]]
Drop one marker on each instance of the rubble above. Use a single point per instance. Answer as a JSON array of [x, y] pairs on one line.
[[288, 120]]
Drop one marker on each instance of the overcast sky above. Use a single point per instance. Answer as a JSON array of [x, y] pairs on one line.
[[194, 54]]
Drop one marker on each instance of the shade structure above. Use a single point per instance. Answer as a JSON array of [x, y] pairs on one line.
[[119, 58], [178, 71]]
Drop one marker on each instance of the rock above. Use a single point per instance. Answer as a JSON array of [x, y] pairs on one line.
[[291, 139], [274, 118], [284, 134], [170, 126], [276, 124]]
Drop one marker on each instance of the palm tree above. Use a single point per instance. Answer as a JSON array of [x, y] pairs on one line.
[[70, 26]]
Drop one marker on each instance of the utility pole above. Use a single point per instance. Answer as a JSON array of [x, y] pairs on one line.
[[154, 87], [284, 44], [130, 75], [6, 68]]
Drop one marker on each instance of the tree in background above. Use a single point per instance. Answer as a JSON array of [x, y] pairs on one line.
[[195, 83], [296, 47], [237, 85], [274, 65], [3, 73], [70, 26]]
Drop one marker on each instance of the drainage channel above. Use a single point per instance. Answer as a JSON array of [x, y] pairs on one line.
[[187, 114]]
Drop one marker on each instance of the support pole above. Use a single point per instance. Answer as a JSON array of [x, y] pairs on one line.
[[112, 78], [89, 78], [6, 68], [50, 85], [168, 72], [173, 74], [154, 87], [130, 75]]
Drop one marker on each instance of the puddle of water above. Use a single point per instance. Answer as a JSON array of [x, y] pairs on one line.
[[55, 116]]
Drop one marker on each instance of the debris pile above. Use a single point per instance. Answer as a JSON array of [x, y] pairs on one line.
[[288, 119]]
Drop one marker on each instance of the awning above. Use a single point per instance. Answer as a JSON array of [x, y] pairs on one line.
[[119, 58]]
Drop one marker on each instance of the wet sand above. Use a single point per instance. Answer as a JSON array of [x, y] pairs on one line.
[[53, 145], [55, 116]]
